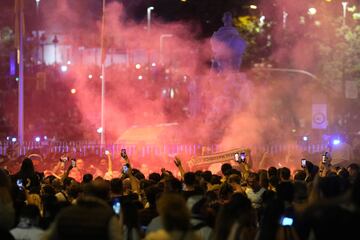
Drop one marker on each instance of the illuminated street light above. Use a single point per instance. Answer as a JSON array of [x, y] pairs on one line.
[[312, 11], [99, 130], [73, 90], [64, 68], [149, 9], [138, 66], [140, 77], [13, 139], [90, 76], [37, 139], [344, 6]]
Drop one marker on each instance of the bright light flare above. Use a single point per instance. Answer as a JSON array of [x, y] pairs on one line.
[[37, 139], [64, 68], [140, 77], [312, 11], [99, 130], [13, 139], [252, 6], [172, 93], [90, 76], [305, 138], [138, 66], [73, 90], [336, 141]]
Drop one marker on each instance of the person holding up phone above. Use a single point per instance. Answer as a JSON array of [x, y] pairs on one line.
[[127, 170], [77, 169]]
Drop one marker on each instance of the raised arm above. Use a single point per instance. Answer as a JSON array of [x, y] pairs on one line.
[[178, 164], [66, 173], [135, 183], [109, 169]]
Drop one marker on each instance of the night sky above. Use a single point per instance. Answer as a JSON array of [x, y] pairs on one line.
[[206, 13]]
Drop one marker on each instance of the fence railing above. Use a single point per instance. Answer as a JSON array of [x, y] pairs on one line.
[[146, 150]]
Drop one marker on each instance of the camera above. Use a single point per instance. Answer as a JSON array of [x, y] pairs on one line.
[[286, 221], [116, 205]]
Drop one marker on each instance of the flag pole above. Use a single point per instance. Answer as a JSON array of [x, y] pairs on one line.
[[20, 60], [103, 56]]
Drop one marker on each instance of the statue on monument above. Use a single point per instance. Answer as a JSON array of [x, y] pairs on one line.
[[228, 46]]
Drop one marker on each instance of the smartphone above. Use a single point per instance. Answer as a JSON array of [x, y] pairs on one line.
[[19, 183], [123, 153], [125, 169], [237, 157], [116, 205], [324, 157], [107, 152], [64, 159], [73, 163], [144, 228], [286, 221], [243, 156], [303, 163]]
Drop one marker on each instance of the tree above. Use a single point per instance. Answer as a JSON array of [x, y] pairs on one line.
[[339, 56]]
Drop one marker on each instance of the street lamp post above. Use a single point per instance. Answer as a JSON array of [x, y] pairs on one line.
[[42, 41], [55, 42], [37, 31], [149, 9], [162, 37]]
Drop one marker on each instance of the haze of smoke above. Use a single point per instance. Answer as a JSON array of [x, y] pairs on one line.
[[238, 120]]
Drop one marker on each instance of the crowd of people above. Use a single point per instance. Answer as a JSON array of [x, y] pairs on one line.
[[111, 199]]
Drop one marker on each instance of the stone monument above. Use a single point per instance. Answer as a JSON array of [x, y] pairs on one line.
[[228, 46]]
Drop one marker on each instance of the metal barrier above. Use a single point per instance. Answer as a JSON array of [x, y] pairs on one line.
[[145, 150]]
